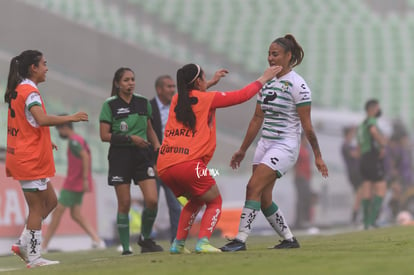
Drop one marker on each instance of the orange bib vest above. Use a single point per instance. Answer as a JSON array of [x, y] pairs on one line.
[[180, 144], [29, 149]]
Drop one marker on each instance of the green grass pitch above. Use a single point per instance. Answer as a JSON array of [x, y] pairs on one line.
[[382, 251]]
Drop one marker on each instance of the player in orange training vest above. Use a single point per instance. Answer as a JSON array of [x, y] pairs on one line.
[[29, 157], [189, 144]]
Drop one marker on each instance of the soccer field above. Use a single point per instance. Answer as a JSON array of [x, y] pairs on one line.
[[382, 251]]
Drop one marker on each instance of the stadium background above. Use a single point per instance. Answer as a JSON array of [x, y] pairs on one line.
[[354, 50]]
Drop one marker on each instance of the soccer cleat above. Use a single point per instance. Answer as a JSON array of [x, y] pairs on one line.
[[177, 247], [287, 244], [40, 262], [20, 251], [204, 246], [126, 253], [233, 246], [148, 245], [98, 245]]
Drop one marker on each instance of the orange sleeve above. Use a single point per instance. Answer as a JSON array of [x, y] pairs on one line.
[[225, 99]]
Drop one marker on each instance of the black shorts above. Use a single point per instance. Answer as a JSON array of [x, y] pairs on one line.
[[128, 163], [372, 167]]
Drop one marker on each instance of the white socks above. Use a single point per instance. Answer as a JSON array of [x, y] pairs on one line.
[[247, 218], [277, 221], [34, 239]]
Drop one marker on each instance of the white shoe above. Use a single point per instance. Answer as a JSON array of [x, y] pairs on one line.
[[99, 245], [41, 262], [20, 250]]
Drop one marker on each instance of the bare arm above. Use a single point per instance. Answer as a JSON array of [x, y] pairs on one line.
[[254, 127], [44, 119], [85, 169], [152, 136], [105, 131], [305, 118], [106, 136], [216, 78]]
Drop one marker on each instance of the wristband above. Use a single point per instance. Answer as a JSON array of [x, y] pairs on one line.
[[120, 139]]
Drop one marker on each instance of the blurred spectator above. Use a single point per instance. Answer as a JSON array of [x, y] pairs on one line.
[[165, 90], [303, 174], [350, 154], [398, 163], [77, 182]]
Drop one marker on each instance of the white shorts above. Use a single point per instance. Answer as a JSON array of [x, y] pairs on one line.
[[34, 185], [279, 155]]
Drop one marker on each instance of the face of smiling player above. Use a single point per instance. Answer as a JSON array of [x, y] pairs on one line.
[[38, 72], [277, 56]]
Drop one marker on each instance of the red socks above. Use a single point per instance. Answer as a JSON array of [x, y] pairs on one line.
[[187, 217], [210, 218]]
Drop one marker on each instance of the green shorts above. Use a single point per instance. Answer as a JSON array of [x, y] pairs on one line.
[[69, 198]]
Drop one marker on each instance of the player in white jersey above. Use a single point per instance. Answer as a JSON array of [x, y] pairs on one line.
[[283, 108]]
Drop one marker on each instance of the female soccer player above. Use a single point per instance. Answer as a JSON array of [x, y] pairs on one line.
[[284, 105], [125, 123], [29, 157], [188, 145]]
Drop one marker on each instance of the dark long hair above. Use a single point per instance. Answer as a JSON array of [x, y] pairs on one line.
[[289, 43], [117, 77], [186, 77], [20, 69]]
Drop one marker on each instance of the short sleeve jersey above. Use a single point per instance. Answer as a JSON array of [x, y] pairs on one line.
[[279, 99], [366, 142], [127, 118]]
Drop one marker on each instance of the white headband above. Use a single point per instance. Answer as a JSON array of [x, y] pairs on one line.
[[198, 72]]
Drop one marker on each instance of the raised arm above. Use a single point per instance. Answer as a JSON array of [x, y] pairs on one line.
[[225, 99], [254, 127], [216, 77], [305, 118], [44, 119]]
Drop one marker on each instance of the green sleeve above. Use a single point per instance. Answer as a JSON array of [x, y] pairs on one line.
[[75, 147], [372, 121], [106, 113]]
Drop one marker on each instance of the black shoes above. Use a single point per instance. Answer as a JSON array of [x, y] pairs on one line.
[[126, 253], [148, 245], [287, 244], [234, 245]]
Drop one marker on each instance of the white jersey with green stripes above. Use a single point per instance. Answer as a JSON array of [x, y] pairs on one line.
[[278, 99]]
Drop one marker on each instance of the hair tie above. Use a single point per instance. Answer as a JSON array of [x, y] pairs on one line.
[[198, 73]]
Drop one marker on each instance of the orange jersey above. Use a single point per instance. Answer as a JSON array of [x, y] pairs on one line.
[[29, 148], [180, 144]]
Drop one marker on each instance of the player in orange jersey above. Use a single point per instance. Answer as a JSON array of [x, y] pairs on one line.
[[189, 144], [29, 157]]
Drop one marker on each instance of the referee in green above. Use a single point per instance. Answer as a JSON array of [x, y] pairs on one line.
[[125, 123], [372, 149]]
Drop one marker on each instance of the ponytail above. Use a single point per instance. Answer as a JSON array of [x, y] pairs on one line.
[[20, 69], [117, 77], [186, 77], [289, 43]]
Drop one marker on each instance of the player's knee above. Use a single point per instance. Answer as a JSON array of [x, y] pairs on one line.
[[123, 206], [151, 203]]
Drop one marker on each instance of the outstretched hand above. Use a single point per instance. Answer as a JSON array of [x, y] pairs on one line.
[[80, 116], [216, 77]]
